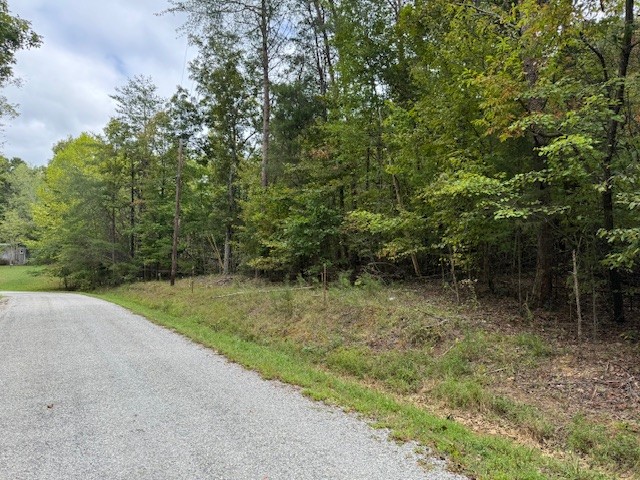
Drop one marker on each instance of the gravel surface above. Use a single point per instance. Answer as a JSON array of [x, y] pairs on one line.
[[90, 391]]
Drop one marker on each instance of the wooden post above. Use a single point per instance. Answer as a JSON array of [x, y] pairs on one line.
[[176, 218], [193, 272]]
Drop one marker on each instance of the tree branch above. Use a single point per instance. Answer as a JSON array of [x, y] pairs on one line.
[[487, 13], [597, 53]]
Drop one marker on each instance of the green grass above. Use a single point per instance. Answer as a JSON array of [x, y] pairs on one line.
[[603, 446], [335, 352], [26, 279]]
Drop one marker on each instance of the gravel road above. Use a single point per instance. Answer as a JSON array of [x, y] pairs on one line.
[[90, 391]]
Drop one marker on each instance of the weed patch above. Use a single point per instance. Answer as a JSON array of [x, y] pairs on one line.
[[467, 394], [621, 448]]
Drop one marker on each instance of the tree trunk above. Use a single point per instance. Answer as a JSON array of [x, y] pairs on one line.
[[226, 264], [228, 233], [113, 228], [543, 285], [615, 280], [322, 26], [176, 219], [454, 278], [576, 292], [266, 92], [132, 213]]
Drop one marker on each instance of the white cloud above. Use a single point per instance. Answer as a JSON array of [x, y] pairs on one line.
[[89, 49]]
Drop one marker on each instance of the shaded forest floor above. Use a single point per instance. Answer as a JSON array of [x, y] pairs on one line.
[[595, 378], [479, 363]]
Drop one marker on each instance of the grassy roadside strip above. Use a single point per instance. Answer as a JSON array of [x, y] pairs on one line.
[[20, 278], [480, 456]]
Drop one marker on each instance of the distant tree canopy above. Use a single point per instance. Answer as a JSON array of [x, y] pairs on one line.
[[15, 34], [18, 186], [477, 140], [18, 181]]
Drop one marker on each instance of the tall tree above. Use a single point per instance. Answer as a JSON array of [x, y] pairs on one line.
[[138, 106], [227, 110], [18, 186], [617, 94], [262, 29], [73, 217]]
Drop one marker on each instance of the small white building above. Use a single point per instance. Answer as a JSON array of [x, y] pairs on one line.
[[13, 254]]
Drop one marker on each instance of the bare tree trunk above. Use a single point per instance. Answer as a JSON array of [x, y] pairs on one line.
[[231, 202], [576, 291], [543, 288], [594, 306], [132, 213], [266, 92], [226, 264], [216, 251], [176, 218], [322, 25], [453, 277], [228, 232], [519, 260], [615, 280], [322, 47], [113, 234]]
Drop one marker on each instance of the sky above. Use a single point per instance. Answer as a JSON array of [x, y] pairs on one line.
[[89, 49]]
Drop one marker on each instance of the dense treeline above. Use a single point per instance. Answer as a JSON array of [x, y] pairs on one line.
[[18, 185], [477, 140], [18, 181]]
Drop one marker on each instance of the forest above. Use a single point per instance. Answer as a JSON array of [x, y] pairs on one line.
[[492, 145]]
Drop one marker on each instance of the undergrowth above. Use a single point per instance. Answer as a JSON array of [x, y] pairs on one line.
[[390, 353]]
